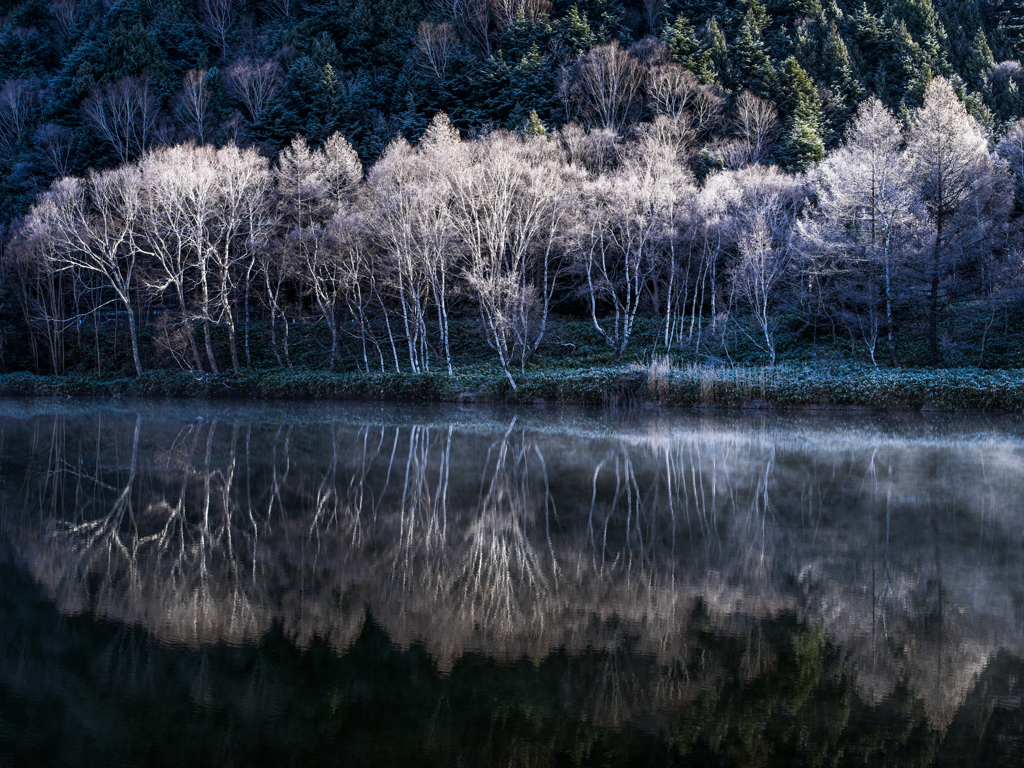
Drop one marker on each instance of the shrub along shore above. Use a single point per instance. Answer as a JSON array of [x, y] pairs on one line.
[[783, 386]]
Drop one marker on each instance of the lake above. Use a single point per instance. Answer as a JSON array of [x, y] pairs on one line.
[[274, 584]]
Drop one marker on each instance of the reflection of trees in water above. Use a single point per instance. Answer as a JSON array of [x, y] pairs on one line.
[[516, 542]]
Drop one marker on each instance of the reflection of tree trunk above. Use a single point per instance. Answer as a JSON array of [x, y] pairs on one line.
[[178, 533]]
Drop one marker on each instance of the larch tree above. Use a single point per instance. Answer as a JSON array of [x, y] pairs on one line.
[[321, 243], [866, 221], [963, 190], [304, 203]]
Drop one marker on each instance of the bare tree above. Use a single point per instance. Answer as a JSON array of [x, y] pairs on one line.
[[763, 266], [55, 144], [757, 126], [651, 10], [28, 270], [510, 196], [670, 89], [472, 19], [124, 113], [1011, 152], [604, 86], [1004, 74], [507, 11], [90, 227], [673, 90], [722, 214], [193, 105], [18, 101], [409, 198], [963, 190], [66, 15], [280, 7], [622, 241], [179, 209], [241, 227], [868, 216], [596, 150], [217, 17], [434, 44], [315, 185], [255, 84]]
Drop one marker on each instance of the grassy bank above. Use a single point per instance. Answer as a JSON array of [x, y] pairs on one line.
[[686, 385]]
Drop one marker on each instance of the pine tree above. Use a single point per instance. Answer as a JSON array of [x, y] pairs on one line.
[[961, 187], [798, 98], [714, 48], [534, 127], [839, 77], [756, 15], [980, 60], [801, 147], [681, 39], [573, 30], [1011, 29], [799, 103], [922, 23], [751, 64]]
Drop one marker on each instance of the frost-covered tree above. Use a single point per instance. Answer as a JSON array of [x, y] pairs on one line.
[[964, 192], [861, 233]]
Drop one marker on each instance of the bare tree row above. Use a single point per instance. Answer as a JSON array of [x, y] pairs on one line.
[[900, 222]]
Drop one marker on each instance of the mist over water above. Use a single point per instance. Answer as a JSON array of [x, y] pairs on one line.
[[364, 584]]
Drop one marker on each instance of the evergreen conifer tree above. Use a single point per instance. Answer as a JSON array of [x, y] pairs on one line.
[[574, 32], [534, 127], [981, 59], [799, 102], [714, 47], [681, 39], [751, 64]]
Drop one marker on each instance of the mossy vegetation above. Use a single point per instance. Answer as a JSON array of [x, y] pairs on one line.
[[660, 382]]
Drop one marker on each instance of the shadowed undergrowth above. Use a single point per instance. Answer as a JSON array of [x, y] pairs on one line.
[[658, 382]]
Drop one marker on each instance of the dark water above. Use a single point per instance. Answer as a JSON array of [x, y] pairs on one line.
[[364, 585]]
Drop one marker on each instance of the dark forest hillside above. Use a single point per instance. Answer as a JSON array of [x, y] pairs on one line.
[[487, 184], [372, 69]]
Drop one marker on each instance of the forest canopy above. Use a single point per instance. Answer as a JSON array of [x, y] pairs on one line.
[[721, 173], [258, 72]]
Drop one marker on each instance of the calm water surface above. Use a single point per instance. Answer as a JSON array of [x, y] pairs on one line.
[[268, 584]]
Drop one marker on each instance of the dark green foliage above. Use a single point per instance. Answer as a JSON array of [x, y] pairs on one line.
[[800, 105], [752, 67], [714, 55], [681, 39], [349, 63]]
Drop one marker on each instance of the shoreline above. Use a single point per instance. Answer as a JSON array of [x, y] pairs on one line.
[[747, 388]]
